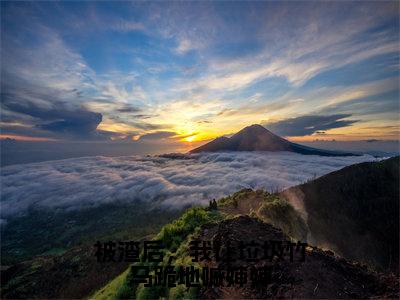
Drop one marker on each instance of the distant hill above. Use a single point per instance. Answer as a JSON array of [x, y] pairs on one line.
[[258, 138], [354, 212]]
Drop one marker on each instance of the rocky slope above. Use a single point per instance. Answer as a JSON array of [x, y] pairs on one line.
[[321, 275], [254, 217]]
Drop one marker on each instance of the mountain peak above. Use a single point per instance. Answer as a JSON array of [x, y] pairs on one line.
[[255, 127], [257, 138]]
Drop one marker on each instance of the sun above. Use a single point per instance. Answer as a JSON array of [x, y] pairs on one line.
[[190, 138]]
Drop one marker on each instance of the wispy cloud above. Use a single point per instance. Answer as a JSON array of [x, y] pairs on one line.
[[184, 46], [296, 65], [182, 63], [127, 26]]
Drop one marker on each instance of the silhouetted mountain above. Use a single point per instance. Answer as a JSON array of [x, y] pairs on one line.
[[258, 138]]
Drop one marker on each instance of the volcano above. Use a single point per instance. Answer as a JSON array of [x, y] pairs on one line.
[[258, 138]]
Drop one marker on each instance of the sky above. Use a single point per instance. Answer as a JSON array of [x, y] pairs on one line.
[[168, 76]]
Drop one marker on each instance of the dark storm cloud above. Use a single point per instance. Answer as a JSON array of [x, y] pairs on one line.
[[46, 93], [52, 116], [35, 132], [78, 122], [306, 125]]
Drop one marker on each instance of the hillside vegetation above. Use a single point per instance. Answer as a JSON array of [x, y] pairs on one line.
[[353, 210], [322, 275], [177, 235], [269, 207], [49, 254]]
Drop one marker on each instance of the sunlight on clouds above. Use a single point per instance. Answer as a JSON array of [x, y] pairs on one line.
[[25, 138], [109, 125], [364, 90], [198, 121], [355, 132], [102, 106], [186, 118], [191, 71], [190, 138], [243, 76]]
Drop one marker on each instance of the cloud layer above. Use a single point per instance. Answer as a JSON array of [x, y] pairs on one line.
[[194, 179]]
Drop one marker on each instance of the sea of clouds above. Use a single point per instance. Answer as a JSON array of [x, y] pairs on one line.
[[192, 179]]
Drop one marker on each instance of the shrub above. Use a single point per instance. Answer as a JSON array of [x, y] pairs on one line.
[[281, 214], [174, 237]]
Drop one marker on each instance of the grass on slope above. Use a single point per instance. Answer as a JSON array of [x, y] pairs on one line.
[[173, 236], [44, 231], [176, 235], [281, 214], [111, 290], [268, 207], [63, 241]]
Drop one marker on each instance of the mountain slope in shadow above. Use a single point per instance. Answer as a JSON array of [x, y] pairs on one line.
[[354, 211], [258, 138]]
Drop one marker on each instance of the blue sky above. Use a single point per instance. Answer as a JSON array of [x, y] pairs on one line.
[[185, 72]]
